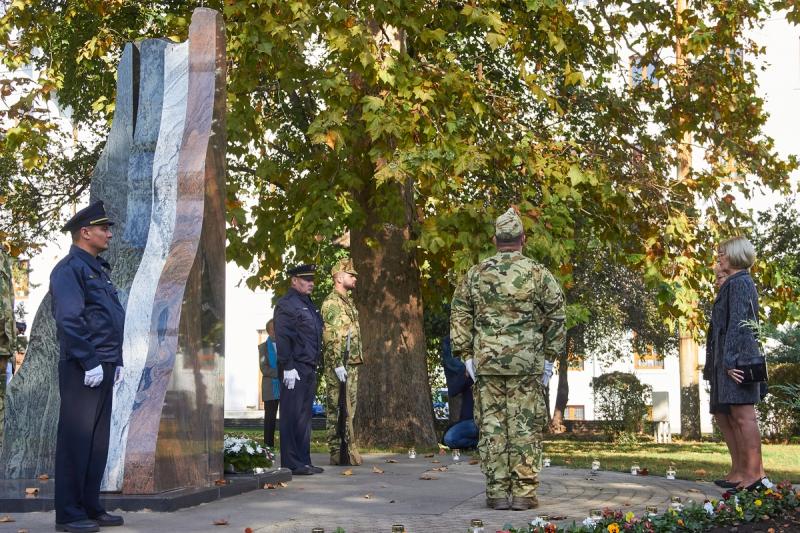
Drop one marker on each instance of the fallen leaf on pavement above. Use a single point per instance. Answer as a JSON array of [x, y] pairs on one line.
[[348, 472], [440, 469], [220, 522], [22, 531], [693, 490], [43, 477], [474, 462], [391, 460], [282, 485], [367, 496], [391, 501], [32, 491], [436, 461], [269, 486], [428, 455], [376, 470], [558, 517], [427, 477], [248, 530], [6, 518], [220, 482]]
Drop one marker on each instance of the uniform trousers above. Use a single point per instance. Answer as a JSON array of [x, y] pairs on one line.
[[332, 414], [295, 420], [510, 414], [84, 422]]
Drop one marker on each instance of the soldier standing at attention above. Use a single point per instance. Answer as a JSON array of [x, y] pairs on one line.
[[343, 356], [89, 324], [507, 323], [298, 332]]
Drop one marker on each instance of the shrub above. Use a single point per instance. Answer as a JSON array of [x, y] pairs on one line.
[[779, 413], [622, 400]]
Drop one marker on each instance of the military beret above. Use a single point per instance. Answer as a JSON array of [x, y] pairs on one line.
[[344, 265], [508, 225], [303, 271], [93, 215]]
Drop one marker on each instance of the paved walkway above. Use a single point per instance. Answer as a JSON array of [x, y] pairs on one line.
[[367, 501]]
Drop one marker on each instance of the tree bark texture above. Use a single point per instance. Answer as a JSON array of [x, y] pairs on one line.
[[394, 399]]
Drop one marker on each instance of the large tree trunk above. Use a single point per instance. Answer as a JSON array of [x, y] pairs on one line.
[[394, 399], [562, 396]]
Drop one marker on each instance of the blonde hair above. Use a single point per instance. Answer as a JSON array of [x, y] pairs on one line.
[[740, 252]]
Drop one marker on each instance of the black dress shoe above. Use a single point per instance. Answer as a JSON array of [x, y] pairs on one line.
[[725, 484], [302, 471], [315, 469], [108, 520], [79, 526]]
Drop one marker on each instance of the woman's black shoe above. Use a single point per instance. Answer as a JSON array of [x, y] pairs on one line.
[[725, 484]]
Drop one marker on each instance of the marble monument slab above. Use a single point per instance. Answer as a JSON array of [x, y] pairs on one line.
[[158, 239], [32, 400], [176, 425]]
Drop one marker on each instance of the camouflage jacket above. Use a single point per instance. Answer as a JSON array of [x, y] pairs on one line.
[[8, 325], [340, 316], [508, 314]]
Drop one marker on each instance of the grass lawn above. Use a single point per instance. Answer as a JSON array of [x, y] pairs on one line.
[[692, 460]]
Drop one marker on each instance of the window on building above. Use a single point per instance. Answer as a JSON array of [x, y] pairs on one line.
[[574, 412], [649, 360], [640, 72]]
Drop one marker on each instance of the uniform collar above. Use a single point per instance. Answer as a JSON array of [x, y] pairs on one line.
[[292, 292], [346, 296], [96, 263]]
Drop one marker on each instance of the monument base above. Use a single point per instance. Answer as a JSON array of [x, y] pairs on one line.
[[13, 498]]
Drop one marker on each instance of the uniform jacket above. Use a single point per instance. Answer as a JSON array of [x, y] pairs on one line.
[[341, 317], [8, 327], [298, 328], [90, 320], [268, 361], [731, 341], [508, 315]]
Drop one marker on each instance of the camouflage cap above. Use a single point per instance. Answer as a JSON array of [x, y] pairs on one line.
[[344, 265], [508, 225]]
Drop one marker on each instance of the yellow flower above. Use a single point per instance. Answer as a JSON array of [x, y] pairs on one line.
[[613, 528], [739, 509], [629, 516], [758, 503], [768, 491], [680, 522]]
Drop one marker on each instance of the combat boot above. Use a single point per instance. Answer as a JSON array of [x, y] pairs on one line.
[[498, 504], [521, 503]]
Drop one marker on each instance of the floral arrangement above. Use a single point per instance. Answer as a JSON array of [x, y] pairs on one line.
[[243, 454], [731, 509]]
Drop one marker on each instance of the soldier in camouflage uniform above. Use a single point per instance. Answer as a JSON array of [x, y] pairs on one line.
[[507, 323], [8, 327], [341, 341]]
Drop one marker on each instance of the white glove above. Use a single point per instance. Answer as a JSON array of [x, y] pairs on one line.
[[289, 377], [94, 377], [341, 373], [470, 364], [118, 375], [548, 373]]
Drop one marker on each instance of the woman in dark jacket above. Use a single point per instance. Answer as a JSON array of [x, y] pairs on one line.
[[732, 342]]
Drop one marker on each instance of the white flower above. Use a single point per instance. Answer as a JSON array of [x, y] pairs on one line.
[[538, 522], [709, 508], [589, 522], [250, 450]]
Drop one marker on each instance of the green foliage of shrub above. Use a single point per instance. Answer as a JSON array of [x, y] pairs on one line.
[[779, 413], [622, 400]]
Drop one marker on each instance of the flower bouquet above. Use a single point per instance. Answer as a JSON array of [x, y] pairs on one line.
[[244, 455]]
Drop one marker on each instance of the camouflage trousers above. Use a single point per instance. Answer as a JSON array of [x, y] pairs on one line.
[[3, 377], [332, 413], [510, 413]]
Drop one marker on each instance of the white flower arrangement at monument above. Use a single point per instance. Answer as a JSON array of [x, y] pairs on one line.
[[243, 454]]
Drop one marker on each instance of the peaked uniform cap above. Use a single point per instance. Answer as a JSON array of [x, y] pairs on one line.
[[508, 225], [93, 215], [307, 270], [344, 265]]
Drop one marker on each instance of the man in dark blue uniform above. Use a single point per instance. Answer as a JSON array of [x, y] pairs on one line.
[[89, 324], [298, 328]]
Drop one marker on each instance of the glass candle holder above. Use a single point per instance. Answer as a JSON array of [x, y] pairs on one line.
[[671, 472], [635, 469], [675, 503], [652, 510], [544, 518], [456, 455], [398, 528], [412, 453], [546, 462], [596, 514], [595, 465], [476, 525], [318, 530]]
